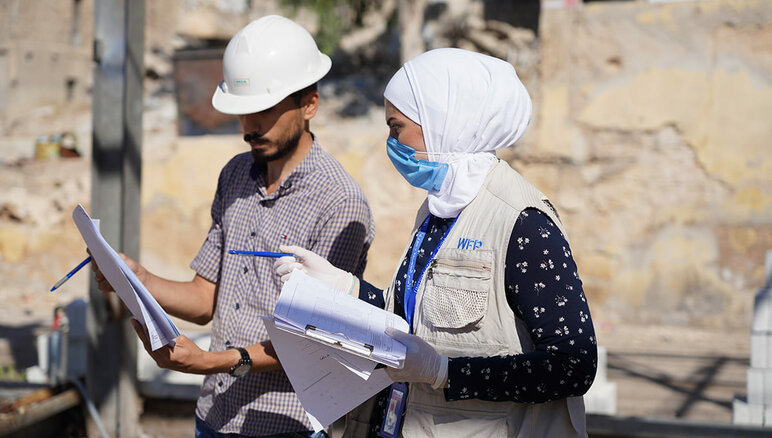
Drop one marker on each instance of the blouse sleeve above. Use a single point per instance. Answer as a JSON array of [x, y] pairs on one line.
[[543, 288], [371, 294]]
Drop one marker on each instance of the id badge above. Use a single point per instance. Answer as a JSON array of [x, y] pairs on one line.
[[395, 411]]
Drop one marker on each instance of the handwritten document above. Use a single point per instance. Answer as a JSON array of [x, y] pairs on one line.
[[132, 292]]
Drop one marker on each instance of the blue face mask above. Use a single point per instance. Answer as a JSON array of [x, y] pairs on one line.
[[427, 175]]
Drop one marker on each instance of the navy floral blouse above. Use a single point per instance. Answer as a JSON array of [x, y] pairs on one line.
[[544, 290]]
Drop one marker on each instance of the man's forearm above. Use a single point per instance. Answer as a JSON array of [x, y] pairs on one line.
[[262, 355], [192, 301]]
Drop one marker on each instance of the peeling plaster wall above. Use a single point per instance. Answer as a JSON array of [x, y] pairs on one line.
[[45, 57], [652, 135]]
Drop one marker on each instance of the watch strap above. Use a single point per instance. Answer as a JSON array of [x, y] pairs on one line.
[[244, 360], [244, 354]]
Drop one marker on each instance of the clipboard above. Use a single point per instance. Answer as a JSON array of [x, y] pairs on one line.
[[314, 310], [340, 341]]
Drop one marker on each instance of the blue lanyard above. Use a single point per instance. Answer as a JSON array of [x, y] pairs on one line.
[[411, 288]]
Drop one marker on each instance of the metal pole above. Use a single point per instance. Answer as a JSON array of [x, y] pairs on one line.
[[116, 175]]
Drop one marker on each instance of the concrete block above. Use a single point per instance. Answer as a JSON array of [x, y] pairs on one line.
[[759, 386], [745, 413], [41, 343], [762, 306], [601, 398], [768, 269], [601, 373], [37, 375], [762, 311], [761, 350]]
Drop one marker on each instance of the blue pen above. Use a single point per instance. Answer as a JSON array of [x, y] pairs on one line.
[[260, 253], [70, 274]]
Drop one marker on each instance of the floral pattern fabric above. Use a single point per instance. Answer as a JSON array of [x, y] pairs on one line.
[[543, 288]]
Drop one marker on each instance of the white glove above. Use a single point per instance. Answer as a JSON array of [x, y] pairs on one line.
[[315, 266], [422, 363]]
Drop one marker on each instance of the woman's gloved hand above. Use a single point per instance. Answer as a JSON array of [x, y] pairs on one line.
[[315, 266], [422, 363]]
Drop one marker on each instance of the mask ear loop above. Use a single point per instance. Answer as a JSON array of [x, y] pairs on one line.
[[454, 156]]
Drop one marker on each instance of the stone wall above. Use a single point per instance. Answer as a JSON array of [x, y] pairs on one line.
[[650, 134], [45, 67]]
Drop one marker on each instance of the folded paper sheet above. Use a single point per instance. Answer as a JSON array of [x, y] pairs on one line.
[[132, 292], [325, 387]]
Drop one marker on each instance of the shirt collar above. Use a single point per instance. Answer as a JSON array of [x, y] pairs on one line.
[[305, 167]]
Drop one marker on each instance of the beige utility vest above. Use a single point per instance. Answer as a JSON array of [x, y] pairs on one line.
[[461, 309]]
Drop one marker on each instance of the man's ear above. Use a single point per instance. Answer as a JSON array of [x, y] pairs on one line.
[[310, 105]]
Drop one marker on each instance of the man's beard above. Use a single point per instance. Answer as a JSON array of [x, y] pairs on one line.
[[284, 146]]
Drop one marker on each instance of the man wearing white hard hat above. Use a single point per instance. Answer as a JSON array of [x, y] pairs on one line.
[[285, 190]]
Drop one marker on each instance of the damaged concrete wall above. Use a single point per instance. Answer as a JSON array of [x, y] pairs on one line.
[[653, 138], [45, 68], [650, 134], [46, 55]]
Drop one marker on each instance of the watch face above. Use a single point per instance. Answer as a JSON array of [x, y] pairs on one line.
[[241, 370]]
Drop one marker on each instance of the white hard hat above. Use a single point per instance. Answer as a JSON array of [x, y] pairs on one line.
[[266, 61]]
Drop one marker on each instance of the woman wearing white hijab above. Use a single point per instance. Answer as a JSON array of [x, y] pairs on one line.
[[501, 339]]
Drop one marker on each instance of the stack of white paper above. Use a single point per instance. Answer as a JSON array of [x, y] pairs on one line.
[[132, 292], [329, 344], [312, 308]]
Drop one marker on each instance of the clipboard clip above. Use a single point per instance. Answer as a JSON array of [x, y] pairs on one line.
[[330, 338]]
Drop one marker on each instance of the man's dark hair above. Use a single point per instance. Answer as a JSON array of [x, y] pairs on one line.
[[298, 95]]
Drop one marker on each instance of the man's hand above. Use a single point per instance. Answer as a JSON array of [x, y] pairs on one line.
[[185, 356], [105, 286]]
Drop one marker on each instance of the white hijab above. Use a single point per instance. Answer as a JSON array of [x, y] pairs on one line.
[[468, 105]]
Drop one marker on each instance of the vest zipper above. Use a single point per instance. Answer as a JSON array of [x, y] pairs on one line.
[[466, 264]]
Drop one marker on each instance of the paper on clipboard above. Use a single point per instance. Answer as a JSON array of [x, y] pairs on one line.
[[317, 311], [132, 292], [326, 389]]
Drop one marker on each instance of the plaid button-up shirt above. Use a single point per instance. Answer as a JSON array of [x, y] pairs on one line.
[[319, 207]]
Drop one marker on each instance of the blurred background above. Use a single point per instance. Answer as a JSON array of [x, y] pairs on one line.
[[651, 136]]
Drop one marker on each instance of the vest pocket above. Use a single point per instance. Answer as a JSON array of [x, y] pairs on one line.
[[456, 294], [428, 424]]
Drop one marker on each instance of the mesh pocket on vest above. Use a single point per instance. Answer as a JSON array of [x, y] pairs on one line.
[[448, 307]]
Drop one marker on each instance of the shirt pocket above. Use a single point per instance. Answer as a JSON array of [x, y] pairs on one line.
[[457, 289]]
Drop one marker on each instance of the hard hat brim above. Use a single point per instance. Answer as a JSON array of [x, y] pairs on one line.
[[229, 103]]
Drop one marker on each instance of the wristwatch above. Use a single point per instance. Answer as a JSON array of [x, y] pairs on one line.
[[244, 366]]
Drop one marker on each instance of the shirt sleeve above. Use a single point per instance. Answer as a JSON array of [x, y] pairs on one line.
[[208, 261], [345, 234], [543, 288], [371, 294]]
